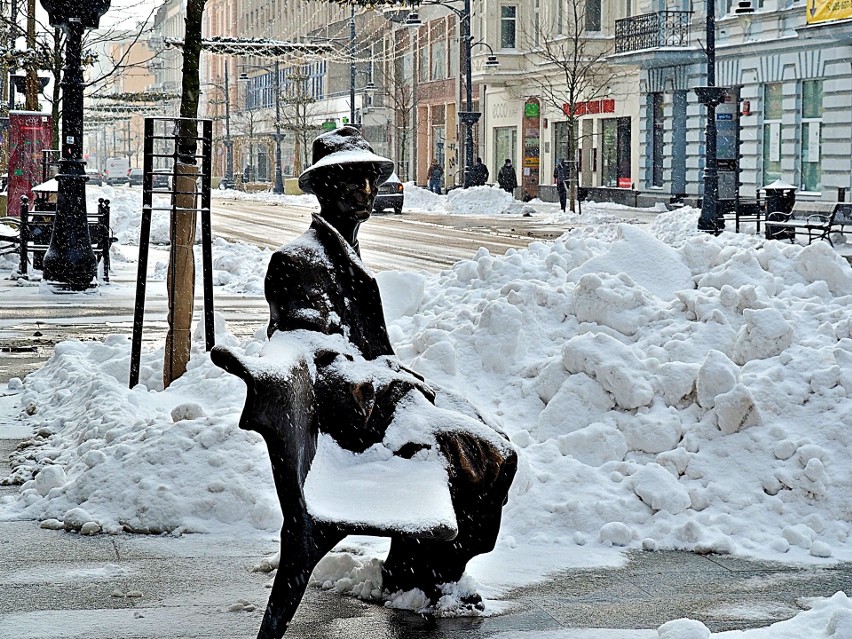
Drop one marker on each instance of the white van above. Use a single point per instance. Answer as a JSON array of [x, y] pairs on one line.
[[117, 171]]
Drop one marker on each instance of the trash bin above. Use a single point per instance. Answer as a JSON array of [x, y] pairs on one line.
[[780, 198]]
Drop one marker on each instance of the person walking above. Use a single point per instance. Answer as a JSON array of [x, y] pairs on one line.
[[479, 173], [434, 174], [506, 177], [560, 174]]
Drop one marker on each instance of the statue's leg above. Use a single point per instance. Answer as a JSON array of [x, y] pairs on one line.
[[480, 478], [300, 553]]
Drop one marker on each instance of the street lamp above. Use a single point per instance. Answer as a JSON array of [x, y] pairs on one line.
[[228, 180], [711, 96], [468, 117], [69, 260], [279, 176]]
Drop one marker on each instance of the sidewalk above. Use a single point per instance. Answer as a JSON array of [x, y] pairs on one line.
[[56, 585]]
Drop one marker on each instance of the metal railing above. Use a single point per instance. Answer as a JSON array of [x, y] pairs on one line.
[[652, 31]]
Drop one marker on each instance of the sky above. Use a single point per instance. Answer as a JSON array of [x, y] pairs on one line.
[[664, 389]]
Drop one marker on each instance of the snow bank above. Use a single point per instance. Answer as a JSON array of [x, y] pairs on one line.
[[700, 401]]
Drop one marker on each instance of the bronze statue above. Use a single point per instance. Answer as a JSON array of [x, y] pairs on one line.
[[319, 290]]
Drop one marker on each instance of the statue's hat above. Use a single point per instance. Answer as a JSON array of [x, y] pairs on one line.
[[342, 147]]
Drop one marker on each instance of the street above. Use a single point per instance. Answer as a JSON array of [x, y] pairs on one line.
[[413, 241]]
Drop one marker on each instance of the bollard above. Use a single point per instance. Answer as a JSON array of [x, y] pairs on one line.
[[24, 233], [104, 241]]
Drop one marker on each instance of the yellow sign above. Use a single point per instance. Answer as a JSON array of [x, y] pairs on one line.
[[827, 10]]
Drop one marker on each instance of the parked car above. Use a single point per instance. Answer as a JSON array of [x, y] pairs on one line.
[[160, 181], [390, 196], [95, 177], [135, 177], [117, 170]]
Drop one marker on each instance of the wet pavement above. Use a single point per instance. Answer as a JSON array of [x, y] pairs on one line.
[[57, 584]]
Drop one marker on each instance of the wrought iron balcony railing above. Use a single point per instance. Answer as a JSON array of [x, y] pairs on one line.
[[652, 31]]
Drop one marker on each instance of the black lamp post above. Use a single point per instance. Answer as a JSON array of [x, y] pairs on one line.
[[468, 117], [710, 96], [279, 178], [228, 182], [70, 261]]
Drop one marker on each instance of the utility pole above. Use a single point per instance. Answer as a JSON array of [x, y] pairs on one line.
[[279, 179]]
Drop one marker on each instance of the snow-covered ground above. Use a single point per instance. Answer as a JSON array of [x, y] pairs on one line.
[[665, 390]]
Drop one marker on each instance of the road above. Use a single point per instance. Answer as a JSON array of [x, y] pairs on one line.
[[31, 323], [411, 241]]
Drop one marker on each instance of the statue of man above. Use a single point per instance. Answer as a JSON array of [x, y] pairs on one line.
[[318, 282]]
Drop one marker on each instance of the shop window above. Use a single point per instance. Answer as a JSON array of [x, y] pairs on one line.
[[615, 153], [812, 110], [772, 131]]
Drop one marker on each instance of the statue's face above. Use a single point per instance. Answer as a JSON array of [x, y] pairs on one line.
[[347, 191]]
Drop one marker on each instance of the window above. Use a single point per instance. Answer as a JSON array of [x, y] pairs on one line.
[[772, 131], [423, 62], [508, 26], [658, 131], [439, 60], [536, 22], [593, 15], [811, 135], [560, 17]]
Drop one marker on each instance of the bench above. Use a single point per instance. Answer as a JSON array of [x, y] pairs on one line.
[[364, 447], [817, 225], [35, 228]]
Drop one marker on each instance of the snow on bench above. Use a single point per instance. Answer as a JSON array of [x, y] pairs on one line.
[[379, 493]]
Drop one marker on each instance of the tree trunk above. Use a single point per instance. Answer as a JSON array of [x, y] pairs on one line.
[[181, 273]]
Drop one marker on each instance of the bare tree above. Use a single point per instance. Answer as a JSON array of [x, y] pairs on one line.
[[573, 69], [247, 122], [298, 115], [396, 80], [181, 271]]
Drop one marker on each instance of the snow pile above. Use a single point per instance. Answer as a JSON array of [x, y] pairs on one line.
[[418, 199], [692, 393], [481, 200]]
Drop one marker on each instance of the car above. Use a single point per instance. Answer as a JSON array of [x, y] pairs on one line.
[[135, 177], [95, 177], [391, 195], [160, 181], [116, 171]]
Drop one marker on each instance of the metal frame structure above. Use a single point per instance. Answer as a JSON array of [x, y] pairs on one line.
[[161, 159]]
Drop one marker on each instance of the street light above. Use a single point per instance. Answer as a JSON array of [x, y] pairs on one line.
[[468, 117], [69, 260], [279, 176], [711, 96]]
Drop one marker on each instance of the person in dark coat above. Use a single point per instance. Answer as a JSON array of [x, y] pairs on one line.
[[560, 174], [479, 173], [506, 177], [434, 175]]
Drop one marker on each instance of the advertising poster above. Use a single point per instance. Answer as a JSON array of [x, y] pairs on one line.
[[30, 133]]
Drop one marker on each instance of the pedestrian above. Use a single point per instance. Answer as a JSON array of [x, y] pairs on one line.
[[479, 173], [560, 174], [506, 177], [434, 174]]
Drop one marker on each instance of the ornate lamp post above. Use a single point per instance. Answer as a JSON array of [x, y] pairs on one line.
[[710, 96], [468, 117], [69, 260]]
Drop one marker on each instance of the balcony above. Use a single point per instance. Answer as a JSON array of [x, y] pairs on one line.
[[654, 39]]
